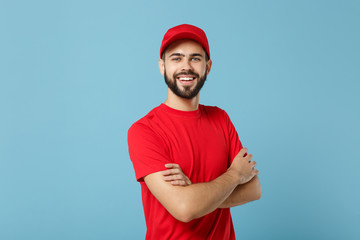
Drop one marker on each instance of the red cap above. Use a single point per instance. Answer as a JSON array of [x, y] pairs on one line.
[[185, 31]]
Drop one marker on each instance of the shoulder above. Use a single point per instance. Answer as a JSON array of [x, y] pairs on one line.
[[144, 126], [213, 111]]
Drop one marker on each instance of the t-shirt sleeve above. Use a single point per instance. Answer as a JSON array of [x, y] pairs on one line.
[[233, 139], [147, 151]]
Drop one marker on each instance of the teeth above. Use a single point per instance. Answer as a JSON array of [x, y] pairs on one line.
[[186, 79]]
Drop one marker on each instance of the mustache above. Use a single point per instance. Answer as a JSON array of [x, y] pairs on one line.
[[190, 72]]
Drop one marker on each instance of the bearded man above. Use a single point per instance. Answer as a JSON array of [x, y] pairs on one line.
[[188, 158]]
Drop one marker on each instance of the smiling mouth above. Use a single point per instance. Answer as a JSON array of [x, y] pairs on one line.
[[186, 78], [186, 81]]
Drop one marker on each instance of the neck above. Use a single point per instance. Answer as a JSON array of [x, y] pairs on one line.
[[180, 103]]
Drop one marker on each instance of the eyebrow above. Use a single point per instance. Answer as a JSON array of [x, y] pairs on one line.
[[183, 55], [196, 55]]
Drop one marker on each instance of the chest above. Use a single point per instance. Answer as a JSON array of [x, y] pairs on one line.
[[199, 147]]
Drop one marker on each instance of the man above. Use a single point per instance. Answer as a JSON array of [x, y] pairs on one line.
[[188, 157]]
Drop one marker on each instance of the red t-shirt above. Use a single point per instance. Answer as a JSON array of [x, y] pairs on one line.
[[204, 143]]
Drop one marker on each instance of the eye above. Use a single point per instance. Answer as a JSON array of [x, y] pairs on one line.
[[195, 59], [176, 59]]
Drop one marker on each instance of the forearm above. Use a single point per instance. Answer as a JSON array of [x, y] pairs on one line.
[[243, 193], [204, 198], [195, 200]]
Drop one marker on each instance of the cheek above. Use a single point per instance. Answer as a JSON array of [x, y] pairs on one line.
[[170, 71], [202, 70]]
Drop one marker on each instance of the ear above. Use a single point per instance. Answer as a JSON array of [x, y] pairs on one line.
[[208, 66], [162, 66]]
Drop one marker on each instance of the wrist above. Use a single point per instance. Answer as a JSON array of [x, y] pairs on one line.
[[240, 178], [235, 175]]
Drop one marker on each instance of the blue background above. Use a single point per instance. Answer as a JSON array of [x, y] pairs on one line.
[[74, 75]]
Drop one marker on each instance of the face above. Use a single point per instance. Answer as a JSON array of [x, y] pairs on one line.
[[185, 68]]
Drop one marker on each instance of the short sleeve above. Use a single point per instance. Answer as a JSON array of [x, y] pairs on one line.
[[233, 139], [147, 151]]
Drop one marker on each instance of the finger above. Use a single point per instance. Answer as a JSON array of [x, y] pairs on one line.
[[174, 171], [178, 183], [171, 171], [172, 165], [165, 172], [256, 172], [253, 164], [243, 151], [249, 157], [168, 178], [174, 177]]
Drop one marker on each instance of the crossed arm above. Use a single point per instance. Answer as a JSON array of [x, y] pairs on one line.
[[186, 201]]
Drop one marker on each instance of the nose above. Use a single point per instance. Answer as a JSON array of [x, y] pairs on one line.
[[186, 64]]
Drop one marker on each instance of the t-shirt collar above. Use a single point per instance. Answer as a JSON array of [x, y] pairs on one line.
[[191, 114]]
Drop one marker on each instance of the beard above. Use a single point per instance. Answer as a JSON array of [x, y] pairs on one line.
[[188, 92]]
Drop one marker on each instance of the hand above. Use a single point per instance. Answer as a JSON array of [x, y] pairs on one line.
[[243, 167], [175, 175]]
